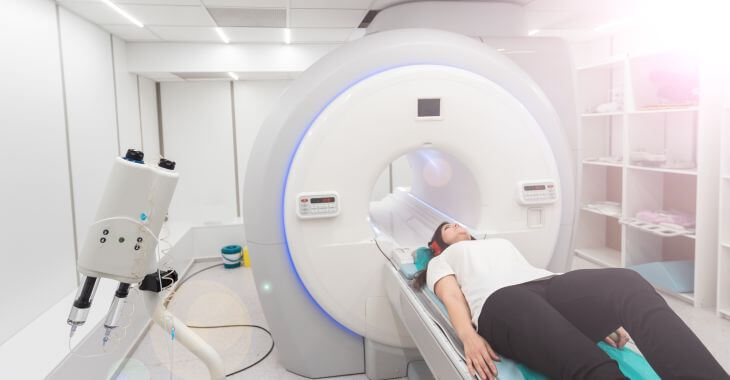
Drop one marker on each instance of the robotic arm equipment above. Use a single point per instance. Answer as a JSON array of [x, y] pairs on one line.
[[121, 245]]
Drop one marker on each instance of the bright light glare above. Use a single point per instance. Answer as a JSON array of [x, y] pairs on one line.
[[123, 13], [233, 75], [533, 32], [612, 25], [287, 36], [222, 35], [696, 26]]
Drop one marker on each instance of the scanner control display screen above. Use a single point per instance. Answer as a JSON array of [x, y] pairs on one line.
[[323, 200], [534, 187], [429, 107]]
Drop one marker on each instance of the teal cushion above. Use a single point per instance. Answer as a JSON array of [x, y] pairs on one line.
[[631, 364], [677, 275], [421, 257]]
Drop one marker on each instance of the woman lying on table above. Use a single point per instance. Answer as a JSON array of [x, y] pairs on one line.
[[552, 322]]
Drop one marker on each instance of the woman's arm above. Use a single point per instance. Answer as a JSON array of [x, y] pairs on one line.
[[478, 353]]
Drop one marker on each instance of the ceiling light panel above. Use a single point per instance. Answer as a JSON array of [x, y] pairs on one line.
[[331, 4], [249, 17], [174, 15], [325, 18], [186, 33], [246, 3], [98, 13], [131, 32]]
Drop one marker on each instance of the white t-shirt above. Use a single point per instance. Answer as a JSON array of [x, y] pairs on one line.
[[481, 268]]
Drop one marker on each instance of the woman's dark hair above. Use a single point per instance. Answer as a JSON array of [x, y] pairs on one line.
[[420, 278]]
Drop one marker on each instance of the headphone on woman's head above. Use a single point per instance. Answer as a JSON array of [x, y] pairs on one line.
[[435, 247]]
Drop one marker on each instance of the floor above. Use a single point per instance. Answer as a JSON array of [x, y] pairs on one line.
[[221, 296]]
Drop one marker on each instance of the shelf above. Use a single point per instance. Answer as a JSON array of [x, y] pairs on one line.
[[654, 229], [599, 114], [724, 313], [664, 110], [725, 245], [605, 64], [663, 170], [588, 209], [605, 257], [686, 297], [601, 163]]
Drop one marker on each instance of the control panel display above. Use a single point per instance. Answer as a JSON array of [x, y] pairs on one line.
[[318, 205], [537, 192], [322, 200]]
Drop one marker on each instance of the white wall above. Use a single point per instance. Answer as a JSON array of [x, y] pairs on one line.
[[130, 131], [36, 236], [92, 126], [254, 100], [197, 126], [148, 117], [43, 48]]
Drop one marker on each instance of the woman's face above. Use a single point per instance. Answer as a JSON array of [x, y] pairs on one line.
[[453, 233]]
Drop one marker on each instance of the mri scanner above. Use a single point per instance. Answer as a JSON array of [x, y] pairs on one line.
[[487, 148]]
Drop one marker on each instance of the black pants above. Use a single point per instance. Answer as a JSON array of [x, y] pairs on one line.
[[553, 326]]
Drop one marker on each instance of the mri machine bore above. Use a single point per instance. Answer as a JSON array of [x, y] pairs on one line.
[[324, 255]]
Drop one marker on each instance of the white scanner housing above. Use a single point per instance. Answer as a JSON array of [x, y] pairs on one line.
[[486, 148]]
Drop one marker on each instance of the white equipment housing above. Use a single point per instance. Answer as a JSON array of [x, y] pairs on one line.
[[129, 219], [486, 148]]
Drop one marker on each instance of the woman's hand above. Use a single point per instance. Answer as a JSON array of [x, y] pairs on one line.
[[618, 338], [479, 356]]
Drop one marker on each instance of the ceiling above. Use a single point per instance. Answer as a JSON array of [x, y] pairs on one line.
[[308, 21]]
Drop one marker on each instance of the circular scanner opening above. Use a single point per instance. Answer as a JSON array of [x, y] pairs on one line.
[[419, 190]]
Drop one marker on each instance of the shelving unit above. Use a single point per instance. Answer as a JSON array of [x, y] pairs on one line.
[[604, 257], [590, 210], [599, 163], [663, 170], [664, 111], [640, 120], [602, 114], [723, 258]]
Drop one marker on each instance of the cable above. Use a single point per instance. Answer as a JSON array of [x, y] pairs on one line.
[[182, 281], [242, 325]]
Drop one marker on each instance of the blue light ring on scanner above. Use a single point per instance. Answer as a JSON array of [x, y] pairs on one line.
[[291, 161]]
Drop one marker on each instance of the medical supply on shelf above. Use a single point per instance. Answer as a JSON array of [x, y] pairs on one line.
[[607, 107], [605, 159], [674, 218], [608, 208], [644, 158], [679, 165], [662, 223]]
